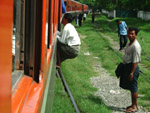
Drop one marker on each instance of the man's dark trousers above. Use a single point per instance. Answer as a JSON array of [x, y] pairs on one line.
[[123, 41]]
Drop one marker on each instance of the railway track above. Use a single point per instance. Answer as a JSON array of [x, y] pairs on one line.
[[60, 74]]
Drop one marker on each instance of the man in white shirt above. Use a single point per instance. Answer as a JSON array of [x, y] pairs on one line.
[[133, 57], [68, 45]]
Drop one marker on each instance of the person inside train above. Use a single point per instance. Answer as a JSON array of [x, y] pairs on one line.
[[68, 44]]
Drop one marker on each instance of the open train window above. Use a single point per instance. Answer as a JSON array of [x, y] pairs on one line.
[[54, 16], [59, 24], [26, 39], [49, 25]]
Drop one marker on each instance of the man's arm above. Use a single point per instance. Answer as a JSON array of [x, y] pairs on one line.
[[118, 30], [132, 71], [126, 26]]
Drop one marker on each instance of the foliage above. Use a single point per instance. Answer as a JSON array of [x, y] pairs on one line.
[[118, 4]]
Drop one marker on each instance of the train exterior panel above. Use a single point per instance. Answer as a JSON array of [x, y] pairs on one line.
[[28, 60], [6, 17]]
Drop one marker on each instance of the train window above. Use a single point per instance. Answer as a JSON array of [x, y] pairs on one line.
[[17, 41], [54, 17], [49, 25], [26, 39], [59, 25]]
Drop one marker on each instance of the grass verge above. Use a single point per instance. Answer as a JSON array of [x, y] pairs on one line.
[[78, 71]]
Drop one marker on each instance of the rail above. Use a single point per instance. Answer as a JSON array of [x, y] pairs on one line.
[[60, 74]]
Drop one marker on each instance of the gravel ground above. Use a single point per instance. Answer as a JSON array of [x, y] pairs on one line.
[[108, 89]]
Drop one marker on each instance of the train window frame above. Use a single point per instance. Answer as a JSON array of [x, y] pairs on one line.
[[59, 16], [49, 25], [33, 39], [28, 36], [53, 16]]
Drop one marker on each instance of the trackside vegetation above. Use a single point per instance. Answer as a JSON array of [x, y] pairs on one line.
[[78, 71]]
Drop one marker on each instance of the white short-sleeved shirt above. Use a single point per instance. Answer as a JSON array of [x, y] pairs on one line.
[[69, 35], [132, 53]]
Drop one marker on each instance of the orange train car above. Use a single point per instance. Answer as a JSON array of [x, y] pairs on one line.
[[74, 6], [28, 53]]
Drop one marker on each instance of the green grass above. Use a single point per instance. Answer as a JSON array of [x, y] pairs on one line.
[[110, 29], [143, 35], [78, 71]]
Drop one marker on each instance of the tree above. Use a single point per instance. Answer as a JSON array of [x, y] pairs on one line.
[[107, 4], [118, 4]]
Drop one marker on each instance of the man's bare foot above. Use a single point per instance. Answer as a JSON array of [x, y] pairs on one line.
[[131, 109], [57, 66], [128, 107]]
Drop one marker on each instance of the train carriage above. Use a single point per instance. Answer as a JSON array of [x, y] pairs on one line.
[[28, 53], [74, 6]]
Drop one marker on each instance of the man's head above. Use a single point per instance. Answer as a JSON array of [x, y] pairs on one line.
[[132, 33], [67, 18], [118, 21]]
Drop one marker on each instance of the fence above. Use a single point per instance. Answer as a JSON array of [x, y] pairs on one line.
[[140, 14], [143, 15], [120, 13]]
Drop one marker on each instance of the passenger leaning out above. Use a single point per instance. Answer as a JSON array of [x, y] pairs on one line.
[[68, 44]]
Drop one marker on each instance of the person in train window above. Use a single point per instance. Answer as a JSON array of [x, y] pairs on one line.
[[122, 33], [131, 58], [68, 45]]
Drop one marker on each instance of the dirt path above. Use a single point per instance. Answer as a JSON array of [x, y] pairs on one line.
[[108, 89]]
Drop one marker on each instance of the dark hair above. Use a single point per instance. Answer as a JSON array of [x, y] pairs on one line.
[[117, 20], [133, 29], [69, 17]]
